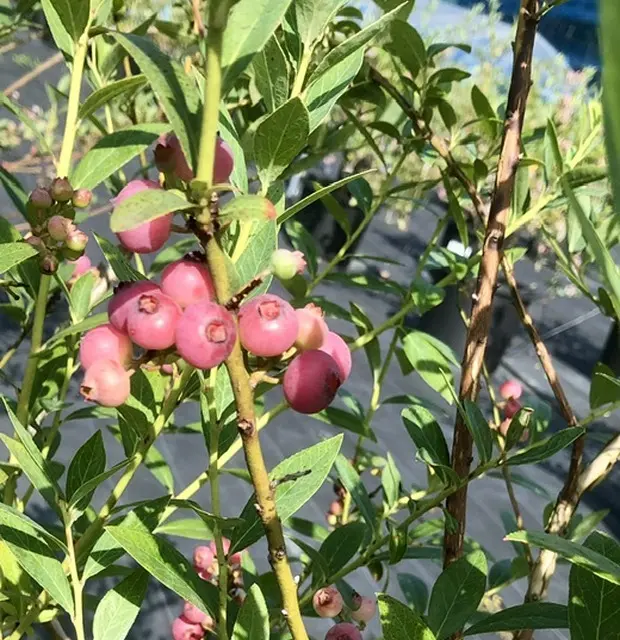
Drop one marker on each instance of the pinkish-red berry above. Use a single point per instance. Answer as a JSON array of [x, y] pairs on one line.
[[81, 266], [313, 330], [41, 198], [343, 631], [184, 630], [107, 383], [235, 559], [105, 343], [338, 349], [268, 325], [125, 296], [187, 281], [152, 321], [82, 198], [193, 614], [203, 558], [149, 236], [327, 602], [61, 190], [311, 381], [364, 609], [224, 162], [511, 408], [511, 389], [205, 334], [169, 157], [59, 228], [335, 508]]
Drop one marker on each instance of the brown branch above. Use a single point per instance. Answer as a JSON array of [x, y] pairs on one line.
[[31, 75], [492, 252]]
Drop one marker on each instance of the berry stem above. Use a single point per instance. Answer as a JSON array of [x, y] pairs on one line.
[[78, 613], [214, 480]]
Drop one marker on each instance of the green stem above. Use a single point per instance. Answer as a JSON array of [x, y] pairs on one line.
[[78, 614], [214, 480], [302, 71]]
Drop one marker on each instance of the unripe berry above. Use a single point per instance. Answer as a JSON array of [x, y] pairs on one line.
[[82, 265], [343, 631], [41, 198], [184, 630], [235, 559], [335, 508], [107, 383], [149, 236], [193, 614], [61, 190], [287, 264], [105, 343], [364, 609], [152, 321], [511, 389], [125, 296], [187, 281], [224, 162], [59, 228], [313, 330], [338, 349], [205, 334], [311, 382], [327, 602], [76, 240], [82, 198], [511, 408], [267, 325], [203, 558]]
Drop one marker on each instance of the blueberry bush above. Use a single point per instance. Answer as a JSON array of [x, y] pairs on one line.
[[197, 125]]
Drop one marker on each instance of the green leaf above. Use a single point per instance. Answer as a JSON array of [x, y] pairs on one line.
[[176, 92], [586, 526], [551, 146], [399, 622], [456, 212], [407, 45], [29, 543], [109, 92], [352, 482], [113, 152], [88, 462], [271, 74], [90, 485], [341, 545], [247, 208], [532, 615], [118, 261], [120, 606], [252, 623], [431, 359], [352, 44], [28, 122], [86, 325], [544, 449], [312, 16], [586, 174], [80, 295], [14, 190], [448, 75], [61, 36], [145, 206], [297, 479], [250, 25], [593, 602], [479, 429], [257, 255], [167, 565], [74, 15], [415, 591], [239, 175], [579, 555], [157, 465], [390, 480], [322, 94], [225, 524], [14, 253], [517, 427], [346, 420], [456, 594], [192, 528], [279, 138], [363, 324]]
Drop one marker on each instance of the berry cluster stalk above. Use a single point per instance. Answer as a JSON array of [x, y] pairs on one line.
[[240, 380]]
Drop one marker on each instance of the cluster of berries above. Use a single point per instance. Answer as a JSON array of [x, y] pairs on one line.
[[54, 233], [193, 624], [510, 391], [329, 603]]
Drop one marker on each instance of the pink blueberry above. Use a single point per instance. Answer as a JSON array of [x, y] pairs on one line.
[[511, 389], [124, 298], [105, 343], [511, 408], [187, 281], [327, 602], [338, 349], [364, 609], [343, 631], [313, 330], [203, 558], [152, 321], [184, 630], [193, 614], [107, 383], [235, 559]]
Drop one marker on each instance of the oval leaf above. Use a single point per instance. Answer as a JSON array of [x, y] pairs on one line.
[[532, 615], [253, 620], [399, 622], [145, 206]]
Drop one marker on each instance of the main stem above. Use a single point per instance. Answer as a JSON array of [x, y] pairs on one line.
[[78, 614], [240, 380]]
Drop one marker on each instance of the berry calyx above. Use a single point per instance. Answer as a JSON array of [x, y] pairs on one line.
[[343, 631], [182, 629], [105, 343], [268, 325], [511, 408], [205, 334], [82, 198], [327, 602], [123, 299], [313, 330], [61, 190], [338, 349], [187, 281], [41, 198], [59, 228], [152, 321], [149, 236], [287, 264], [107, 383], [511, 389], [311, 381], [364, 609]]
